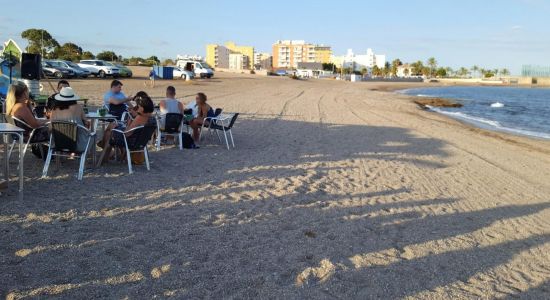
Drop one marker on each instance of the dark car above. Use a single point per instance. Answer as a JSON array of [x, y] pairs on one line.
[[50, 70]]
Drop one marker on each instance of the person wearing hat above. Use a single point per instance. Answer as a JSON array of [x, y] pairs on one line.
[[65, 108]]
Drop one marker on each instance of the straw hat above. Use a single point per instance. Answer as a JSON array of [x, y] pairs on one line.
[[66, 94]]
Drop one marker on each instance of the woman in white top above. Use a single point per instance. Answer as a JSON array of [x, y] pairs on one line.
[[169, 105]]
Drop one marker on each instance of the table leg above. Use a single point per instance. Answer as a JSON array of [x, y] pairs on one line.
[[21, 160], [6, 162]]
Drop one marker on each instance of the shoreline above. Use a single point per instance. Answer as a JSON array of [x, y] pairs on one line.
[[450, 102]]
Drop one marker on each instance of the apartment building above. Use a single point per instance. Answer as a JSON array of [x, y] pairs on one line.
[[322, 54], [263, 61], [238, 61], [288, 53], [218, 56], [359, 61]]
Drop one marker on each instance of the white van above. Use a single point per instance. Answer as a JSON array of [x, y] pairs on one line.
[[197, 66]]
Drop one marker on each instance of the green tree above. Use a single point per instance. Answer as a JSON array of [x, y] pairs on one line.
[[394, 65], [168, 62], [376, 71], [155, 59], [416, 68], [474, 69], [426, 71], [462, 72], [432, 63], [87, 55], [329, 67], [449, 71], [107, 55], [441, 72], [364, 71], [40, 41], [505, 72], [68, 51]]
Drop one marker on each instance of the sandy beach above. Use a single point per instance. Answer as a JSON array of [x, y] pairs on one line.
[[335, 190]]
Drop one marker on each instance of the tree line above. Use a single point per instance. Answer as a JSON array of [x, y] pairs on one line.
[[428, 69], [40, 41]]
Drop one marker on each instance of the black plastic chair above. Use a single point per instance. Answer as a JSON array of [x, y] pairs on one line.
[[211, 119], [219, 124], [173, 126], [64, 142], [136, 142]]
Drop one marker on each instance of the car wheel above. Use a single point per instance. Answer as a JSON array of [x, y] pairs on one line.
[[85, 76], [101, 74], [208, 76], [58, 75], [183, 77]]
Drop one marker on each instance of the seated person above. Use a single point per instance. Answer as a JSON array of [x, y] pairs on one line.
[[51, 100], [65, 108], [116, 100], [144, 115], [203, 110], [18, 104], [169, 105]]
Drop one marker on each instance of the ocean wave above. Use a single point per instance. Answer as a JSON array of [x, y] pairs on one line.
[[490, 124]]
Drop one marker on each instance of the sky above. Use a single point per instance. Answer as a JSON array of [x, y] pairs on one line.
[[489, 34]]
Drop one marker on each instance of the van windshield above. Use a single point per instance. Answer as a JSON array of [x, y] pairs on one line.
[[204, 65]]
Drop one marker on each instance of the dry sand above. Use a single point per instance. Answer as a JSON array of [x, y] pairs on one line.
[[335, 190]]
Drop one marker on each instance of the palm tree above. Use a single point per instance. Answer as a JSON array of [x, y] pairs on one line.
[[504, 72], [449, 71], [474, 69], [462, 72], [432, 63]]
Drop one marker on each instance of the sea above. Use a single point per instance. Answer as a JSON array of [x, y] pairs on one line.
[[522, 111]]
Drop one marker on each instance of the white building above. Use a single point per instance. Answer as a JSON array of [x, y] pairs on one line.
[[238, 61], [359, 62]]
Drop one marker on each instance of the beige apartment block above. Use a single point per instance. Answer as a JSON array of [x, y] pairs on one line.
[[288, 53]]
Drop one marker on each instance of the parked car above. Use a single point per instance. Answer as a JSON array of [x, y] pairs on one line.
[[99, 68], [123, 71], [55, 71], [183, 74], [79, 72]]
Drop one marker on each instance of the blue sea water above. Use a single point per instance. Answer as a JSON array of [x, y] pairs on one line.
[[524, 111]]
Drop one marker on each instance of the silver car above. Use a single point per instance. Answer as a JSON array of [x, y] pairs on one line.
[[79, 72]]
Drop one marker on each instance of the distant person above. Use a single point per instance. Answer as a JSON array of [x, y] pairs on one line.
[[169, 105], [116, 100], [152, 75], [203, 110]]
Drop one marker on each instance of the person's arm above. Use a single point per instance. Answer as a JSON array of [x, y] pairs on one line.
[[180, 107], [162, 104], [116, 101], [26, 115]]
